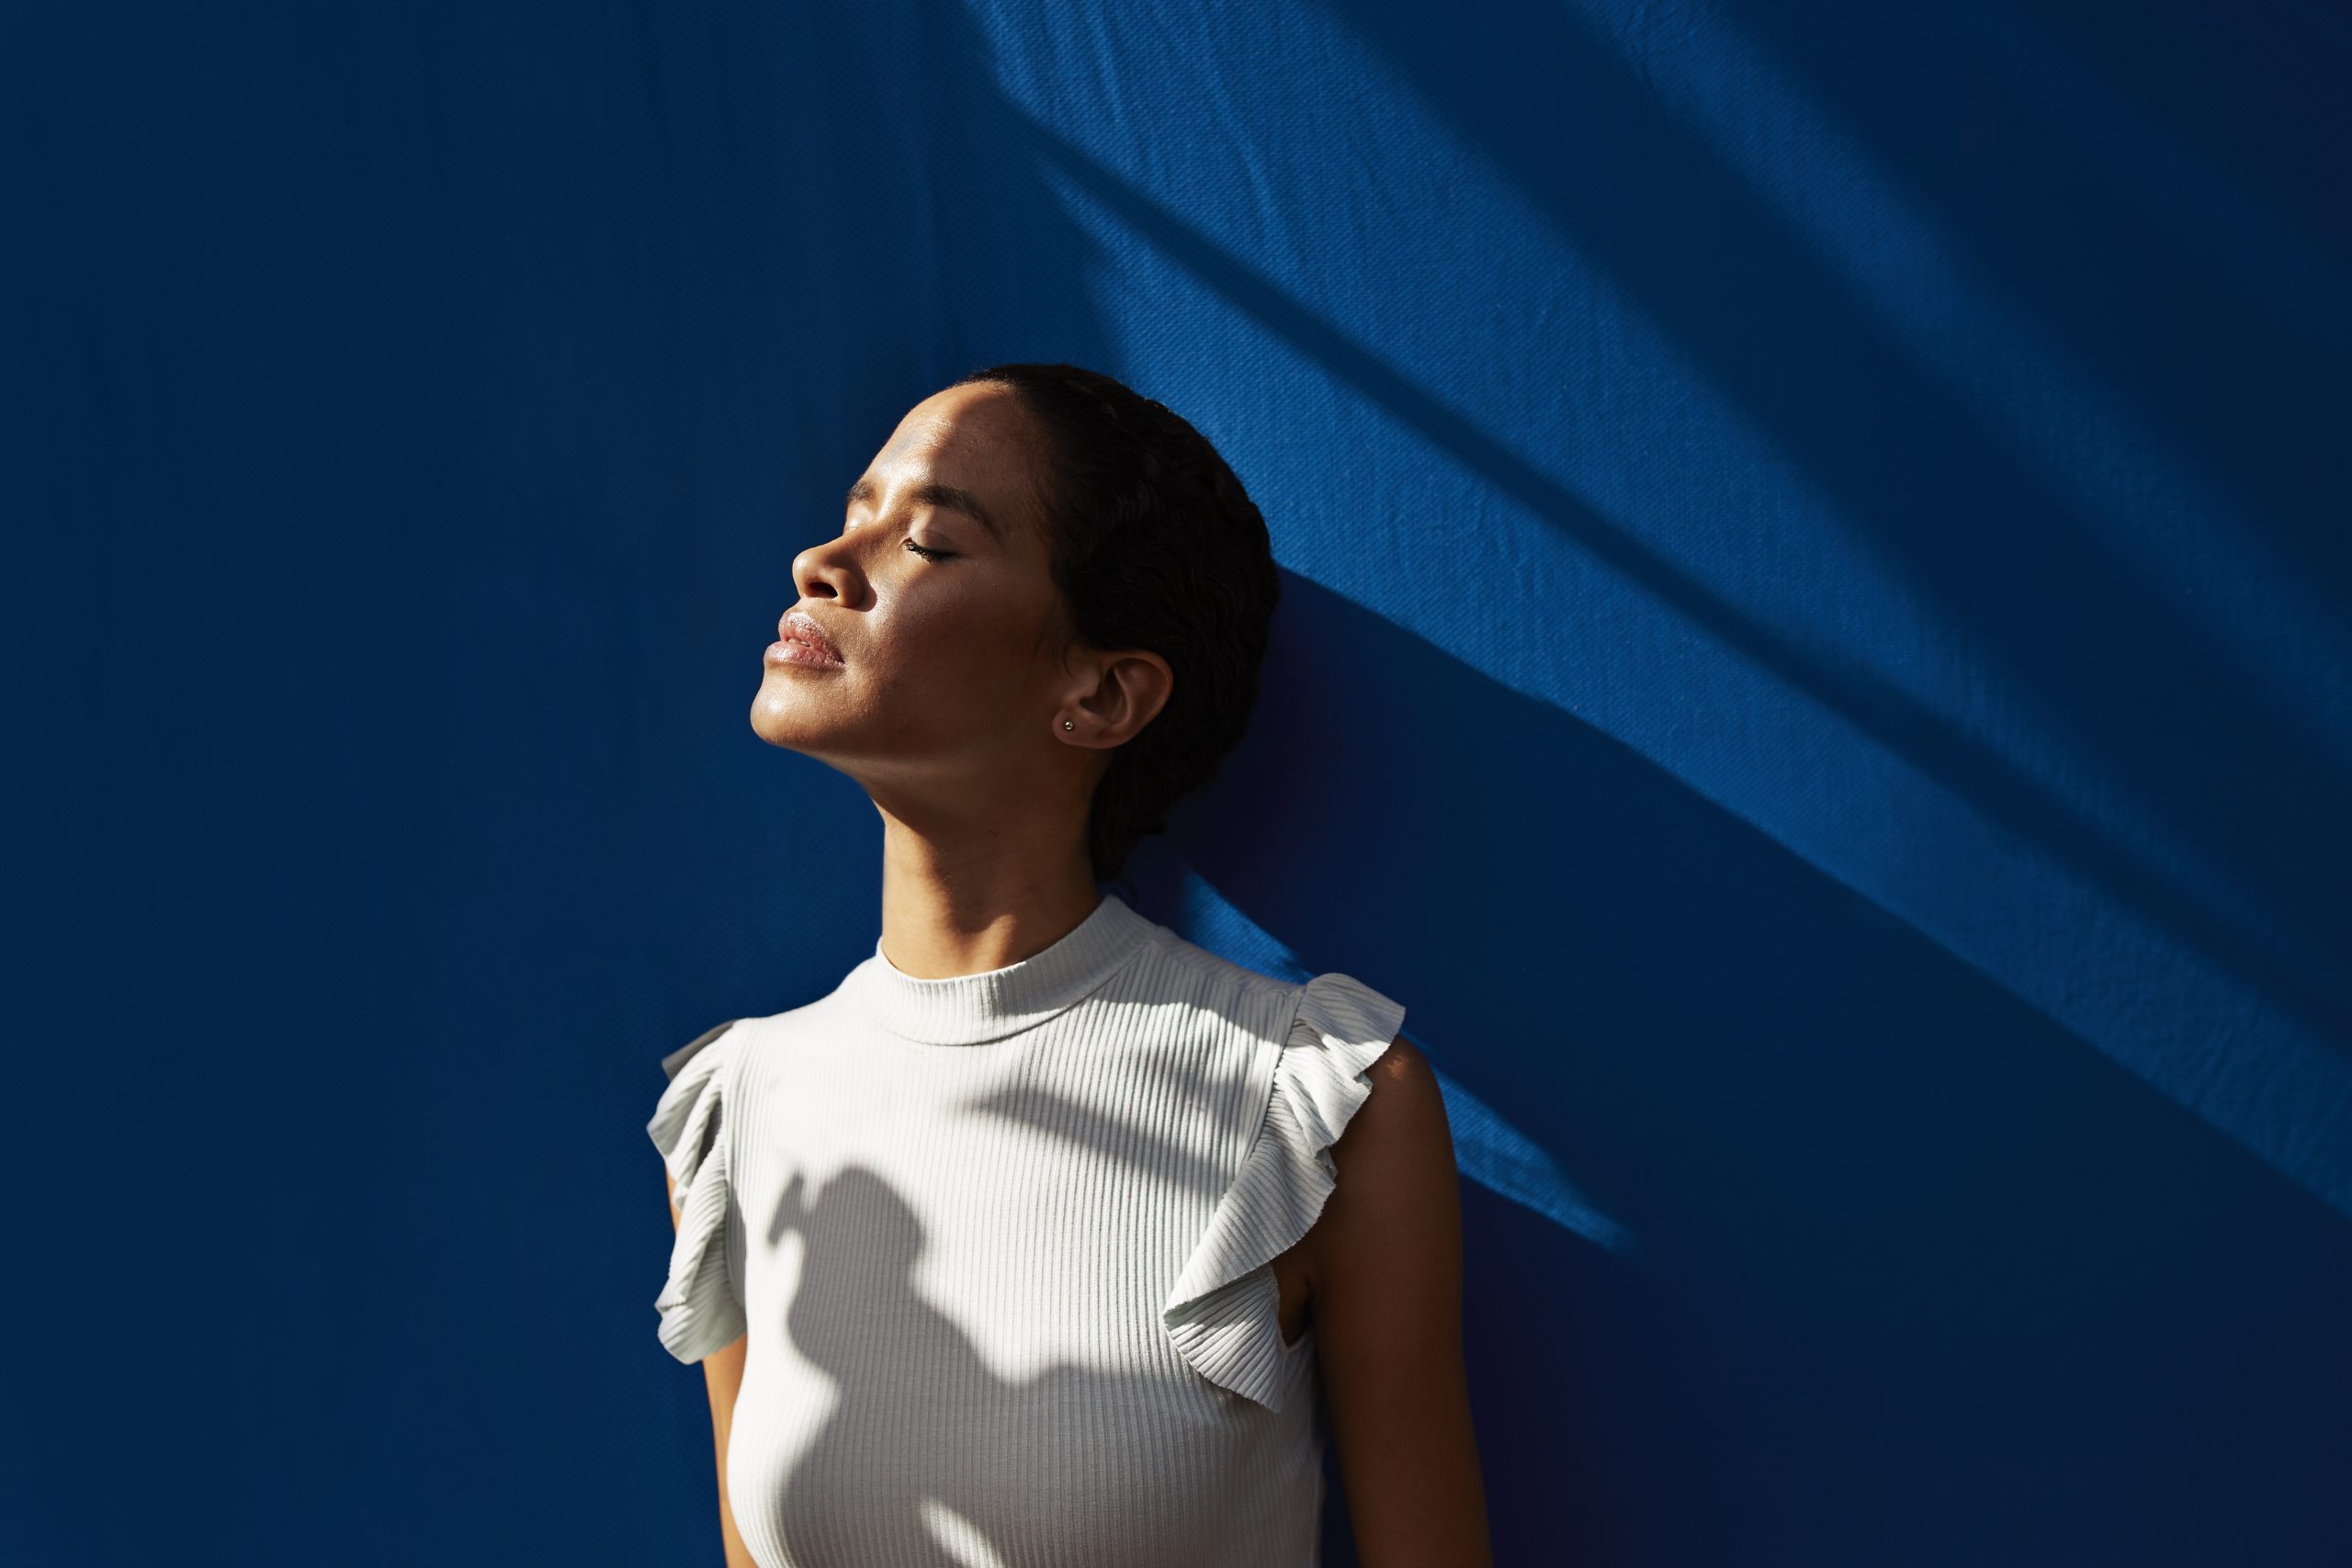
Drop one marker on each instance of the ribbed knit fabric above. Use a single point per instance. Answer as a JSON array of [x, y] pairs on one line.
[[1001, 1243]]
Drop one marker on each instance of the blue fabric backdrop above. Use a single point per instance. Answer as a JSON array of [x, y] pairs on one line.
[[1814, 662]]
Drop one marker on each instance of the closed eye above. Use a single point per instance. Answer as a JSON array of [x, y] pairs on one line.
[[927, 552]]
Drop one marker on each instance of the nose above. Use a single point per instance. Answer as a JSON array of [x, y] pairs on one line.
[[828, 571]]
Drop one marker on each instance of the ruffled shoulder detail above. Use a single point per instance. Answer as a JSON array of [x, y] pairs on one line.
[[701, 1310], [1225, 1311]]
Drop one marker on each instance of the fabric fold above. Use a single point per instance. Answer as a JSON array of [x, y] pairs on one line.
[[1224, 1312], [701, 1310]]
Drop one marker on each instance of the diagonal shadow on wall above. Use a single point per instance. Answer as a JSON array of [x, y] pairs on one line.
[[1889, 1223], [2121, 184], [2074, 626], [2004, 792]]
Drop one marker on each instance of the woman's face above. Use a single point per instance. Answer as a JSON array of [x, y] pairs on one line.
[[938, 602]]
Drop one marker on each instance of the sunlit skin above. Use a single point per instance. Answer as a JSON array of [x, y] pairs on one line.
[[956, 677], [978, 727]]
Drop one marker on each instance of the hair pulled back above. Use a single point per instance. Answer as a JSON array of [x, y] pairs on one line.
[[1153, 544]]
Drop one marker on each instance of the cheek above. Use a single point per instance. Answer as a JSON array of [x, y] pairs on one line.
[[962, 661]]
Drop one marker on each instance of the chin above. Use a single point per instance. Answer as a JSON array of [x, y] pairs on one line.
[[788, 717]]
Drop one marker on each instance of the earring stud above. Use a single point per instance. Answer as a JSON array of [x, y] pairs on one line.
[[1068, 724]]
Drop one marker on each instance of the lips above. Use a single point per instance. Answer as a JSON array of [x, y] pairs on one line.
[[798, 626]]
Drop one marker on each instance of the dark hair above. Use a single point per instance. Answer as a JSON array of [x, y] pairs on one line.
[[1154, 544]]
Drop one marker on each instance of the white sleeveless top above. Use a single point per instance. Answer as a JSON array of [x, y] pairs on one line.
[[1000, 1241]]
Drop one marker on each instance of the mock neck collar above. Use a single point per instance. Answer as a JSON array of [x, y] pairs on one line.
[[965, 1010]]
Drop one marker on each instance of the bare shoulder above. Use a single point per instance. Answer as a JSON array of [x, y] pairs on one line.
[[1387, 1309], [1403, 1064], [1397, 1186], [1403, 1121]]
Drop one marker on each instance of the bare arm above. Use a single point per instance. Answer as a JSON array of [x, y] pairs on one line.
[[1385, 1265], [723, 1375]]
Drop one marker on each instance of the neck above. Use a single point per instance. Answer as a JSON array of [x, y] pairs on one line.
[[954, 908]]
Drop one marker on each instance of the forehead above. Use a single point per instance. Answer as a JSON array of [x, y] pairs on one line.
[[977, 436]]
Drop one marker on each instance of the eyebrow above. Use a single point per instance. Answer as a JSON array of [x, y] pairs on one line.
[[954, 498]]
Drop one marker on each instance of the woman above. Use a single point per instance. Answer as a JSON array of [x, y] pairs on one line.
[[1048, 1236]]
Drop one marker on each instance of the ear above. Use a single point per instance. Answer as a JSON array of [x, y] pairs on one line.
[[1114, 696]]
